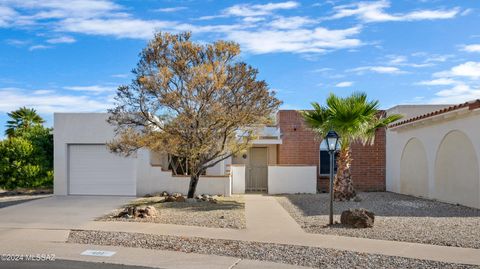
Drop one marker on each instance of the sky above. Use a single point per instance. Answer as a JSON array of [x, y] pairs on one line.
[[70, 56]]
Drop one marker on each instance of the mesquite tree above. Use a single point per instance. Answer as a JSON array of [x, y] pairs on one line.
[[190, 100]]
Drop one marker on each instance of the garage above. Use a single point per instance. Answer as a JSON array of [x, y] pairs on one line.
[[93, 170]]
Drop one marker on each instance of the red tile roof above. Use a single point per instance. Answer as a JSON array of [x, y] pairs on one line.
[[471, 106]]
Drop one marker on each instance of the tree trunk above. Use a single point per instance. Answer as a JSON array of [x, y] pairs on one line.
[[343, 185], [193, 185]]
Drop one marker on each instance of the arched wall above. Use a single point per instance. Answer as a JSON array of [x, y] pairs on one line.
[[456, 175], [414, 169]]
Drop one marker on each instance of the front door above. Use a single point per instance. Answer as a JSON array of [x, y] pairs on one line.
[[258, 170]]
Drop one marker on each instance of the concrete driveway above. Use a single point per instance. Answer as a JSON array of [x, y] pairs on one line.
[[58, 212]]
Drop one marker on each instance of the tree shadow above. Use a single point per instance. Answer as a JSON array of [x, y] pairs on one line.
[[7, 203], [385, 204]]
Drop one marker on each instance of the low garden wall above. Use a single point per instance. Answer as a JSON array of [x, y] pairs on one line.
[[292, 179], [237, 177], [151, 179]]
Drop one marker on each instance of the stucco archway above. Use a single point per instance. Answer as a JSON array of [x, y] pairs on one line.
[[414, 169], [456, 170]]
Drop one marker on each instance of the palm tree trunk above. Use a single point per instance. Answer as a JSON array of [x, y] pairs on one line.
[[343, 185]]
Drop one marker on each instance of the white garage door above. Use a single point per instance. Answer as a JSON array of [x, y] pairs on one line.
[[93, 170]]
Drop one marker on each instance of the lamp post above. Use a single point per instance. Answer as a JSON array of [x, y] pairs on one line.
[[332, 139]]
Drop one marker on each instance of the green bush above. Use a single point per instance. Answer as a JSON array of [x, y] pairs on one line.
[[26, 159]]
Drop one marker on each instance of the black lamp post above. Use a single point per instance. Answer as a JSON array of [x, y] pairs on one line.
[[332, 140]]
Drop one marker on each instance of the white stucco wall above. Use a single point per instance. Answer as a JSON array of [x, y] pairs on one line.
[[292, 179], [151, 179], [75, 128], [92, 128], [414, 169], [237, 176], [431, 132]]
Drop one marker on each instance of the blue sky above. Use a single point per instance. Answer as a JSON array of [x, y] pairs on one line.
[[69, 56]]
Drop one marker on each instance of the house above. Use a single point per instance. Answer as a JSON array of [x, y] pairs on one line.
[[286, 158], [434, 153]]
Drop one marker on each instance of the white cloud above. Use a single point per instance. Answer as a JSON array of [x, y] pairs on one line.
[[257, 28], [120, 75], [38, 47], [457, 94], [170, 9], [438, 82], [61, 39], [49, 102], [344, 84], [253, 19], [462, 78], [294, 22], [315, 40], [377, 69], [41, 92], [17, 42], [322, 70], [471, 48], [397, 59], [6, 15], [375, 12], [468, 69], [246, 10], [93, 88]]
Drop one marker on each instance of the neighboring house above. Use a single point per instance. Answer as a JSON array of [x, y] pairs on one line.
[[434, 153]]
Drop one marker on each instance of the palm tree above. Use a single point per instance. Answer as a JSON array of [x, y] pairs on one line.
[[22, 118], [355, 119]]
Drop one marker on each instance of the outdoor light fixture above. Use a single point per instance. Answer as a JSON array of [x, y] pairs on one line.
[[332, 140]]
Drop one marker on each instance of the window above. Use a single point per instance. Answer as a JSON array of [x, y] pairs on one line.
[[325, 160]]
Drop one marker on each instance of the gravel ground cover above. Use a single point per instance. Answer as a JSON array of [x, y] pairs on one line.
[[290, 254], [397, 217], [229, 212]]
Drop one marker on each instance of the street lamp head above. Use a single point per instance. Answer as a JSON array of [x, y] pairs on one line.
[[332, 140]]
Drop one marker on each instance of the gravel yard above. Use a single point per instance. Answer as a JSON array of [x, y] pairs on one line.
[[397, 217], [229, 212], [290, 254]]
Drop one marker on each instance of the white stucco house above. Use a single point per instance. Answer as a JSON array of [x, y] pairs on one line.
[[84, 166], [434, 152]]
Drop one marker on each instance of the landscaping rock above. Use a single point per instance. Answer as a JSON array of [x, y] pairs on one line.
[[151, 211], [358, 218], [170, 199], [148, 195], [181, 199], [176, 194], [138, 212], [164, 194]]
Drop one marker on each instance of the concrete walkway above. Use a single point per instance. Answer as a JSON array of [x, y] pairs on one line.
[[268, 222]]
